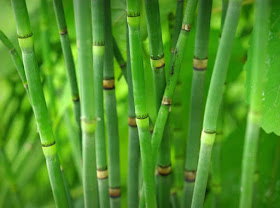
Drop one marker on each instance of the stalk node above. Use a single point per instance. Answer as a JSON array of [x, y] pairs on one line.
[[109, 84], [164, 171], [132, 121], [115, 192], [200, 64], [190, 176], [186, 27], [102, 174], [63, 31]]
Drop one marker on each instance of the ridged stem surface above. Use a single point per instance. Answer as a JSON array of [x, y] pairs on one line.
[[214, 100], [82, 13], [260, 39], [25, 37]]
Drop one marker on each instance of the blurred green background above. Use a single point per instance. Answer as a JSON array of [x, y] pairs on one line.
[[23, 173]]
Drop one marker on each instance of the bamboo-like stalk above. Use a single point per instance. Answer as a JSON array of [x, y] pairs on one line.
[[120, 59], [16, 58], [46, 50], [175, 66], [197, 94], [142, 117], [111, 112], [133, 143], [25, 38], [82, 13], [98, 27], [68, 59], [260, 39], [158, 66], [214, 100]]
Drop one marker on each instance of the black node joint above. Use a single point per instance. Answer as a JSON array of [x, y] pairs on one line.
[[49, 145]]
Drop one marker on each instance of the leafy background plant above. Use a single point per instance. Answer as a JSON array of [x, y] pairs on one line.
[[17, 123]]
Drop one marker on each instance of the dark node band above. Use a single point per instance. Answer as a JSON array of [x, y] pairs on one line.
[[164, 171], [132, 121], [186, 27], [109, 84], [76, 99], [48, 145], [166, 101], [190, 175], [200, 64], [25, 36], [115, 192], [102, 174], [63, 31], [209, 132]]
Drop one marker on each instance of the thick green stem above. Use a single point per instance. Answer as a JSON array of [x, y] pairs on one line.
[[84, 43], [158, 67], [214, 100], [133, 143], [197, 97], [260, 38], [97, 7], [142, 118], [68, 59], [111, 112], [25, 37]]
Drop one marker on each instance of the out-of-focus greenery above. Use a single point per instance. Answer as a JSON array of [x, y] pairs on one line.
[[25, 179]]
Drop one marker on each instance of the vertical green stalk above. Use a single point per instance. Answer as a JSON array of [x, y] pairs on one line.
[[16, 59], [46, 52], [119, 58], [260, 38], [97, 8], [25, 38], [197, 94], [214, 100], [111, 112], [133, 143], [68, 59], [158, 67], [142, 117], [84, 44]]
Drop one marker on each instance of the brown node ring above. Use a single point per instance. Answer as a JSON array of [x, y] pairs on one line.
[[109, 84], [166, 101], [63, 31], [186, 27], [102, 174], [200, 64], [164, 171], [190, 176], [132, 121], [115, 192]]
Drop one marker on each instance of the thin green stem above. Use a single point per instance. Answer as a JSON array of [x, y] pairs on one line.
[[25, 37], [214, 100], [260, 38], [197, 96], [68, 59], [142, 117], [82, 13], [111, 112], [120, 59]]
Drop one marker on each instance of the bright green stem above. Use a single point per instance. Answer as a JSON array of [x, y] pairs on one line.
[[97, 7], [44, 126], [15, 57], [111, 112], [142, 117], [175, 66], [260, 37], [84, 43], [133, 143], [68, 59], [120, 59], [158, 67], [214, 100], [197, 96], [46, 52]]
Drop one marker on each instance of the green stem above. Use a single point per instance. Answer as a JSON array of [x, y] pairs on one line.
[[68, 59], [133, 143], [82, 13], [142, 117], [97, 7], [197, 96], [120, 59], [111, 112], [25, 37], [260, 37], [158, 67], [214, 100]]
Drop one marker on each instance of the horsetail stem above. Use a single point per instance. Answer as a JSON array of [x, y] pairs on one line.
[[214, 100], [68, 59], [16, 58], [175, 66], [142, 118], [120, 59], [98, 27], [84, 44], [197, 94], [260, 37], [111, 112], [133, 142], [25, 38], [158, 67]]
